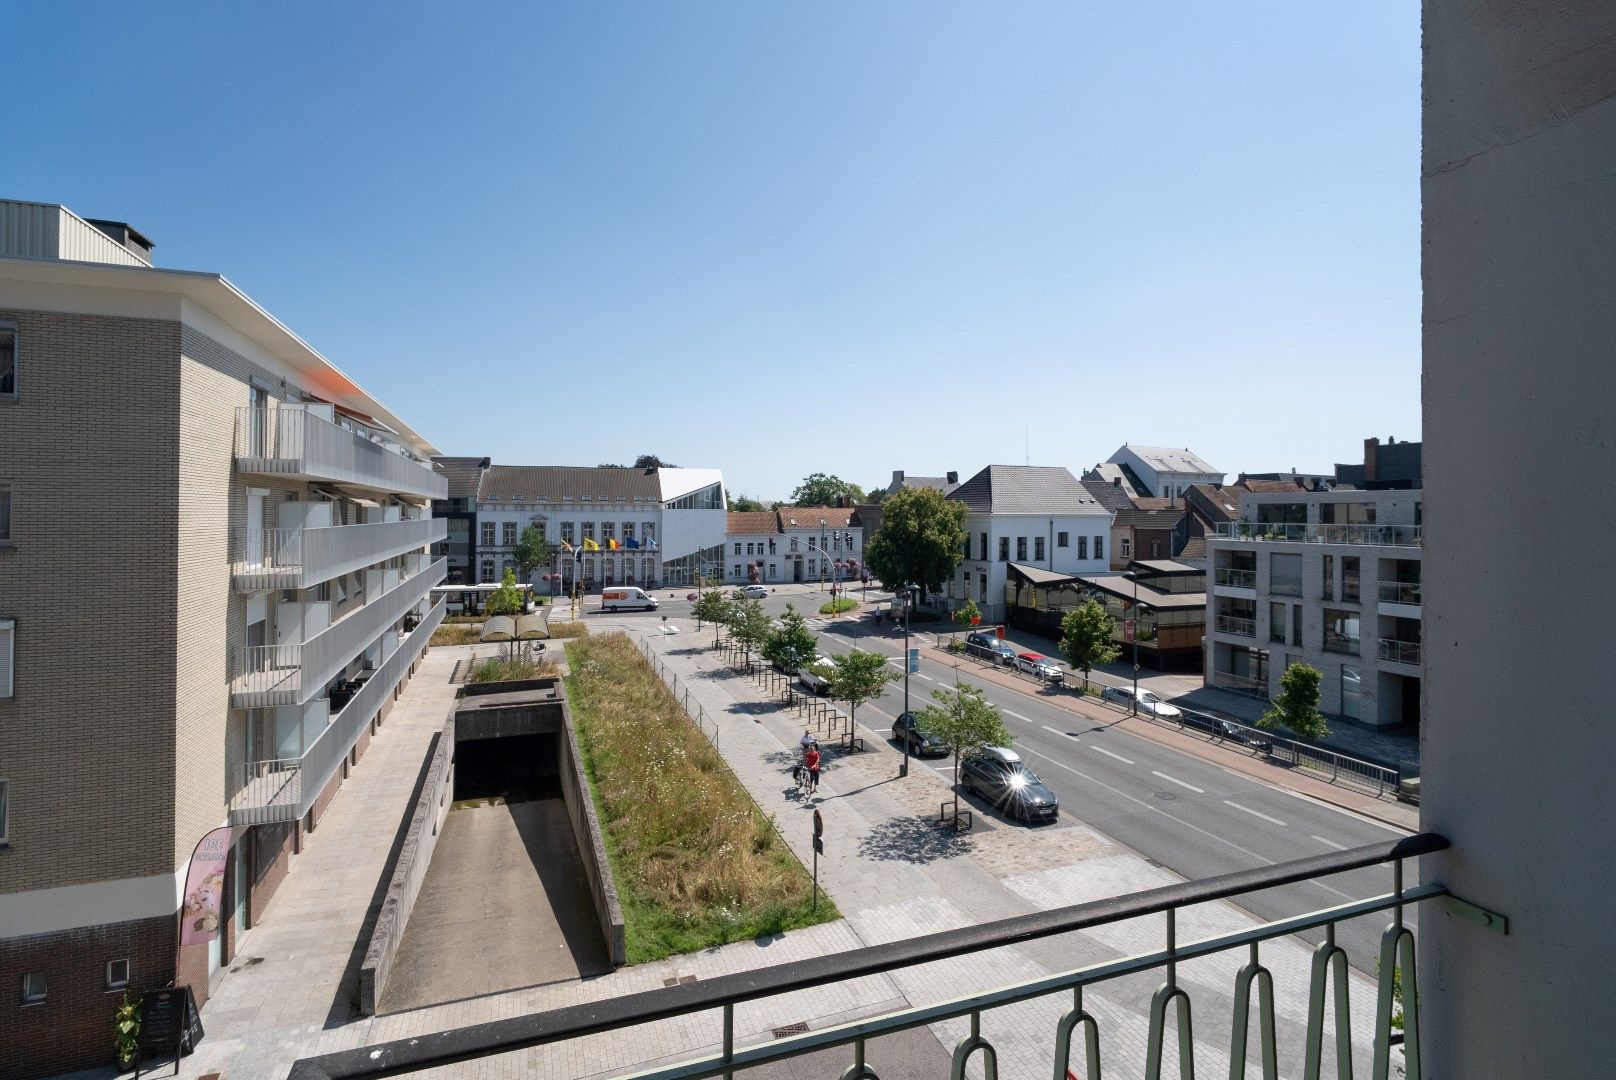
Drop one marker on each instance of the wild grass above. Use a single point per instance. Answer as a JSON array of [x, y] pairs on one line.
[[505, 668], [573, 629], [836, 607], [458, 634], [695, 861]]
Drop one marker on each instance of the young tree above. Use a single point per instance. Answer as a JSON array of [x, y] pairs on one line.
[[749, 625], [1297, 706], [818, 489], [965, 722], [859, 677], [921, 540], [711, 606], [963, 617], [651, 461], [507, 599], [533, 551], [1086, 638], [792, 647], [745, 504]]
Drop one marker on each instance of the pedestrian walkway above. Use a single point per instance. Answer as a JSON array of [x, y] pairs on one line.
[[893, 874]]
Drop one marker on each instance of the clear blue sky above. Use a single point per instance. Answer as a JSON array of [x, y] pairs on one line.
[[775, 238]]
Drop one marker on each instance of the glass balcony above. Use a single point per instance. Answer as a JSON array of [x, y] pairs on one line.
[[1400, 652], [1235, 624], [1239, 579], [1360, 535], [1400, 592], [293, 441], [299, 558]]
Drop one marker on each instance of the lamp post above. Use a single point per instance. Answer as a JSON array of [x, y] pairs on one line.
[[1133, 620], [903, 770], [823, 553]]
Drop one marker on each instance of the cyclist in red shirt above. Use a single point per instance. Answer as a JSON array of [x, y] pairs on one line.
[[811, 759]]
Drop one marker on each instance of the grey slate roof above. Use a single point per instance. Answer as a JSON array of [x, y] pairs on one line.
[[910, 482], [1026, 489], [1108, 495], [1148, 519], [1169, 459], [527, 483], [464, 474]]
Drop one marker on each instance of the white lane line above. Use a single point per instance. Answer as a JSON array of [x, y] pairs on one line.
[[1017, 715], [1344, 812], [923, 675], [1107, 753], [1180, 783], [1330, 843], [1254, 813]]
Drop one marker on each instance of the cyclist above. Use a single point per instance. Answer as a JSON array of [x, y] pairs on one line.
[[808, 739], [810, 759]]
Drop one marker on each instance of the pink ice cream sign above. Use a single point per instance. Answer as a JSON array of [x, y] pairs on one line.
[[204, 889]]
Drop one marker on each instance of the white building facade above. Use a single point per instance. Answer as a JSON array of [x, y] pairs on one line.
[[1164, 472], [794, 544]]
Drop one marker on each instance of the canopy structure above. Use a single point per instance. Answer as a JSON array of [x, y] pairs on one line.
[[499, 628], [531, 627]]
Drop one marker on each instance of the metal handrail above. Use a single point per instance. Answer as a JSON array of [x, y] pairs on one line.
[[1400, 592], [1320, 533], [1399, 651], [1235, 578], [726, 991], [1236, 624]]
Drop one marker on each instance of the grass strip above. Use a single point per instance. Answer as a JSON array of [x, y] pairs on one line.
[[696, 862], [836, 607]]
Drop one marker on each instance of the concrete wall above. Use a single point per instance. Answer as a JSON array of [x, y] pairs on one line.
[[1519, 253], [426, 822], [591, 844]]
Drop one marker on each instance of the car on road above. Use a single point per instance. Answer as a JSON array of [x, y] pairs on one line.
[[816, 676], [1241, 735], [1040, 665], [906, 728], [999, 775], [984, 644], [754, 592], [1148, 702]]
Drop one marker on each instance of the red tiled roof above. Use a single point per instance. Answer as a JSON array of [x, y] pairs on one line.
[[751, 521], [808, 517]]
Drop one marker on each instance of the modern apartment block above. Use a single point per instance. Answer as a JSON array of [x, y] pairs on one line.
[[1328, 578], [214, 580]]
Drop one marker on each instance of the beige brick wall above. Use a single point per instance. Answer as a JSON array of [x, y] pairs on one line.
[[87, 740]]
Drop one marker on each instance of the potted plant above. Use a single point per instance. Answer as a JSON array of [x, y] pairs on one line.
[[126, 1030]]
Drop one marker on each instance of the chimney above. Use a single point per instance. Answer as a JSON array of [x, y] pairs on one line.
[[953, 478], [841, 502], [897, 477], [1371, 451], [1116, 481]]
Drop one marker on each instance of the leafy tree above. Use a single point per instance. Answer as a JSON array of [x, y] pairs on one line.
[[711, 606], [1297, 706], [1086, 638], [507, 599], [745, 504], [748, 624], [533, 551], [920, 541], [965, 722], [876, 496], [963, 617], [791, 647], [651, 461], [859, 677], [818, 489]]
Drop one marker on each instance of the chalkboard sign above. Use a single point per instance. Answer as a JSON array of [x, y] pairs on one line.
[[169, 1021]]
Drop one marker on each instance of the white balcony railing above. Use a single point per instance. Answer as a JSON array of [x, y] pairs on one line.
[[1361, 535], [1239, 579], [1400, 652], [284, 789], [266, 675], [1235, 624], [299, 558], [1400, 592], [292, 441]]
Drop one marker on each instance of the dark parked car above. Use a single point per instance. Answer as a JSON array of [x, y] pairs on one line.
[[999, 776], [921, 743], [983, 643], [1244, 736]]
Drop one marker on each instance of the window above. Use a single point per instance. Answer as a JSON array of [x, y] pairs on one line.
[[33, 988], [566, 531], [1004, 549], [1099, 547], [984, 548], [1349, 578], [487, 576], [1276, 622], [1021, 549], [813, 543], [967, 550], [589, 530], [1037, 547], [737, 549], [5, 807], [1082, 547], [1340, 631], [1296, 625], [5, 513], [8, 360], [1155, 549], [1351, 693], [8, 638], [1127, 547], [1285, 574], [647, 530], [508, 568], [1061, 540], [771, 546], [487, 532], [628, 531], [1328, 592], [508, 534], [117, 974], [608, 530]]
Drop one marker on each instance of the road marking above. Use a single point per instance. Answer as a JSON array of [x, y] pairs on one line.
[[1344, 812], [1254, 813], [1180, 783], [1107, 753], [923, 675], [1330, 843], [1017, 715]]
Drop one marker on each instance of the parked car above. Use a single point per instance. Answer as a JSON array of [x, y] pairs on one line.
[[627, 598], [998, 775], [921, 743], [754, 592], [1148, 702], [1040, 665], [816, 676], [1243, 736], [984, 644]]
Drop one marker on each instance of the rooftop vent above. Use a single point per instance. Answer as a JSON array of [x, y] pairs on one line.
[[125, 234]]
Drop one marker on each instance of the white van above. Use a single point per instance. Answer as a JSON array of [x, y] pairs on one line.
[[626, 598]]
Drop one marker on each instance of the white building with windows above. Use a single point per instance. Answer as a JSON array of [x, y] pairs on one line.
[[607, 526], [1162, 472], [1038, 516], [794, 543]]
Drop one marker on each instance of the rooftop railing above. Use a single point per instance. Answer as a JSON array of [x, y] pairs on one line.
[[706, 1010], [299, 558], [294, 441], [1359, 535]]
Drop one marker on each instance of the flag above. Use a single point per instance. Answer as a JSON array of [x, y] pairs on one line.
[[611, 542], [650, 543], [633, 544], [566, 546], [590, 545]]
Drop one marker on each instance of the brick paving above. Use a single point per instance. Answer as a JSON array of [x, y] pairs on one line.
[[891, 872]]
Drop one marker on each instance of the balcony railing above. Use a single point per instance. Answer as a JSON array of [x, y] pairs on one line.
[[706, 1011], [1229, 680], [1235, 624], [1362, 535], [1400, 592], [1239, 579], [266, 675], [299, 558], [284, 789], [1400, 652], [292, 441]]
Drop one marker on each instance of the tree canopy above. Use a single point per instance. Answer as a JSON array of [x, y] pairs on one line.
[[748, 624], [920, 542], [1297, 706], [964, 720], [1086, 638], [859, 677], [791, 647], [533, 550], [818, 489], [711, 606], [745, 504], [644, 461], [876, 495], [507, 599]]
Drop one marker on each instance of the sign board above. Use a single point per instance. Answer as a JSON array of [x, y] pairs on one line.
[[998, 632], [819, 825], [976, 620], [1127, 630], [819, 845], [914, 662], [169, 1021], [204, 888]]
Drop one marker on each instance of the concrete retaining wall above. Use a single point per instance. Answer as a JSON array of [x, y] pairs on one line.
[[426, 822], [591, 844]]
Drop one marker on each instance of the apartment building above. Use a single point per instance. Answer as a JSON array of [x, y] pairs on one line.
[[623, 526], [1161, 472], [1038, 516], [214, 580], [1328, 578], [794, 543]]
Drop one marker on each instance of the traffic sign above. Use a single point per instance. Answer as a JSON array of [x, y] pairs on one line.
[[819, 845], [819, 825], [914, 662], [976, 620], [998, 632], [1127, 630]]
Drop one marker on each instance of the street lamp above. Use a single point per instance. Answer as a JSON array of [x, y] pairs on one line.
[[823, 551], [1133, 620], [908, 595]]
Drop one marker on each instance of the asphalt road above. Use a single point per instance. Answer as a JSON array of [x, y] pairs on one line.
[[1191, 816]]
